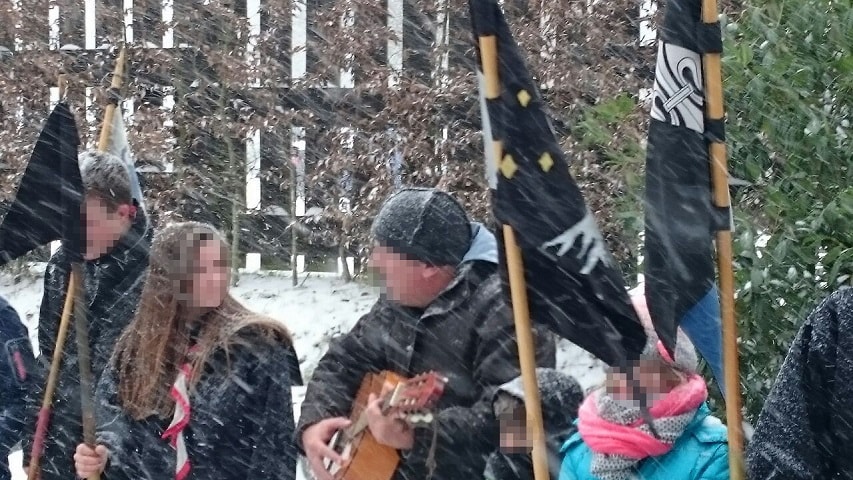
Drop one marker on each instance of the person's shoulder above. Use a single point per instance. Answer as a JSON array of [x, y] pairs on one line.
[[712, 458], [843, 294], [261, 334], [575, 457], [11, 326], [382, 312], [260, 350], [708, 429], [4, 304], [839, 302], [485, 281], [833, 313], [57, 263], [9, 318]]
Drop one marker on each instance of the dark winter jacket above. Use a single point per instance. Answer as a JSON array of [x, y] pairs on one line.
[[466, 334], [16, 377], [806, 425], [113, 285], [241, 424], [560, 396], [519, 466]]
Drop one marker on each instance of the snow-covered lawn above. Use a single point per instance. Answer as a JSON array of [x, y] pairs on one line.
[[320, 307]]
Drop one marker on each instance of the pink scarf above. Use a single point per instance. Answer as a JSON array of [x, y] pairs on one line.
[[607, 437]]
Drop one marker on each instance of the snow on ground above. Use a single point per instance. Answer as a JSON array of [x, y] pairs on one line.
[[318, 308]]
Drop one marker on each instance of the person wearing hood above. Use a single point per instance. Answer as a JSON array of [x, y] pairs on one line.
[[806, 424], [613, 442], [560, 396], [442, 309], [116, 257]]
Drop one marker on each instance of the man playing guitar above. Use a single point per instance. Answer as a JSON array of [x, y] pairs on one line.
[[443, 310]]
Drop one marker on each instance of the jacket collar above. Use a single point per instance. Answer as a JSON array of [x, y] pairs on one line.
[[468, 276]]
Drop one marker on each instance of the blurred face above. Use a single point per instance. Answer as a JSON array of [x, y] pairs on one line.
[[402, 278], [655, 378], [210, 278], [513, 426], [104, 228]]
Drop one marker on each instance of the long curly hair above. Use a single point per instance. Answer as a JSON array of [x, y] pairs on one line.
[[150, 351]]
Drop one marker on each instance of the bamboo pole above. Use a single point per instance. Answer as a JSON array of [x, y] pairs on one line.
[[518, 290], [719, 175]]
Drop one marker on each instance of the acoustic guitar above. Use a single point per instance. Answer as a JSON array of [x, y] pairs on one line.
[[410, 400]]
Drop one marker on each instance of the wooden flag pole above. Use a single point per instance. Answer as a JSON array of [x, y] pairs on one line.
[[518, 289], [118, 80], [84, 360], [526, 354], [59, 347], [84, 357], [719, 174], [50, 388]]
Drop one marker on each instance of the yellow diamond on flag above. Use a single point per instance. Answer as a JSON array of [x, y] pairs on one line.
[[523, 98], [508, 166], [546, 162]]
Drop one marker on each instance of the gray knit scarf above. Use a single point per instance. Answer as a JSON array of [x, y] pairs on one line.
[[619, 467]]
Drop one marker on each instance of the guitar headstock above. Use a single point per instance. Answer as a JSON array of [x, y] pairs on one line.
[[414, 398]]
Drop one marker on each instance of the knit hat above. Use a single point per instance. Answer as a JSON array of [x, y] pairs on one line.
[[426, 224], [685, 359]]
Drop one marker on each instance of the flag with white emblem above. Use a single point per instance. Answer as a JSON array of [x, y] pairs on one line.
[[680, 216], [574, 286]]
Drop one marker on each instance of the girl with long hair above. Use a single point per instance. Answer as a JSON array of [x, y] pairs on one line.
[[198, 386]]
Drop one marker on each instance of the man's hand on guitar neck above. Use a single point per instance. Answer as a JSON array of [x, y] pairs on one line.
[[388, 430], [315, 441]]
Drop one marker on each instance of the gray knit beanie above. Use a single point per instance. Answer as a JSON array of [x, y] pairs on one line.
[[425, 224]]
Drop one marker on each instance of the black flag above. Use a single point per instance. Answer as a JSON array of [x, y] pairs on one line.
[[574, 286], [680, 216], [46, 206]]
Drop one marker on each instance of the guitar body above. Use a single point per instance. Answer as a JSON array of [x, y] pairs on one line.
[[369, 460], [410, 400]]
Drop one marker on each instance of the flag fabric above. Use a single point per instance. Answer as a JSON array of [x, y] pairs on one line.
[[46, 206], [680, 216], [574, 285], [119, 147]]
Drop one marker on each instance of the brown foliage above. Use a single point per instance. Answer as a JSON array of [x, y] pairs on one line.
[[581, 54]]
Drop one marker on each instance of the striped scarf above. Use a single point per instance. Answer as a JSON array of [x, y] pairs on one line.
[[175, 433]]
